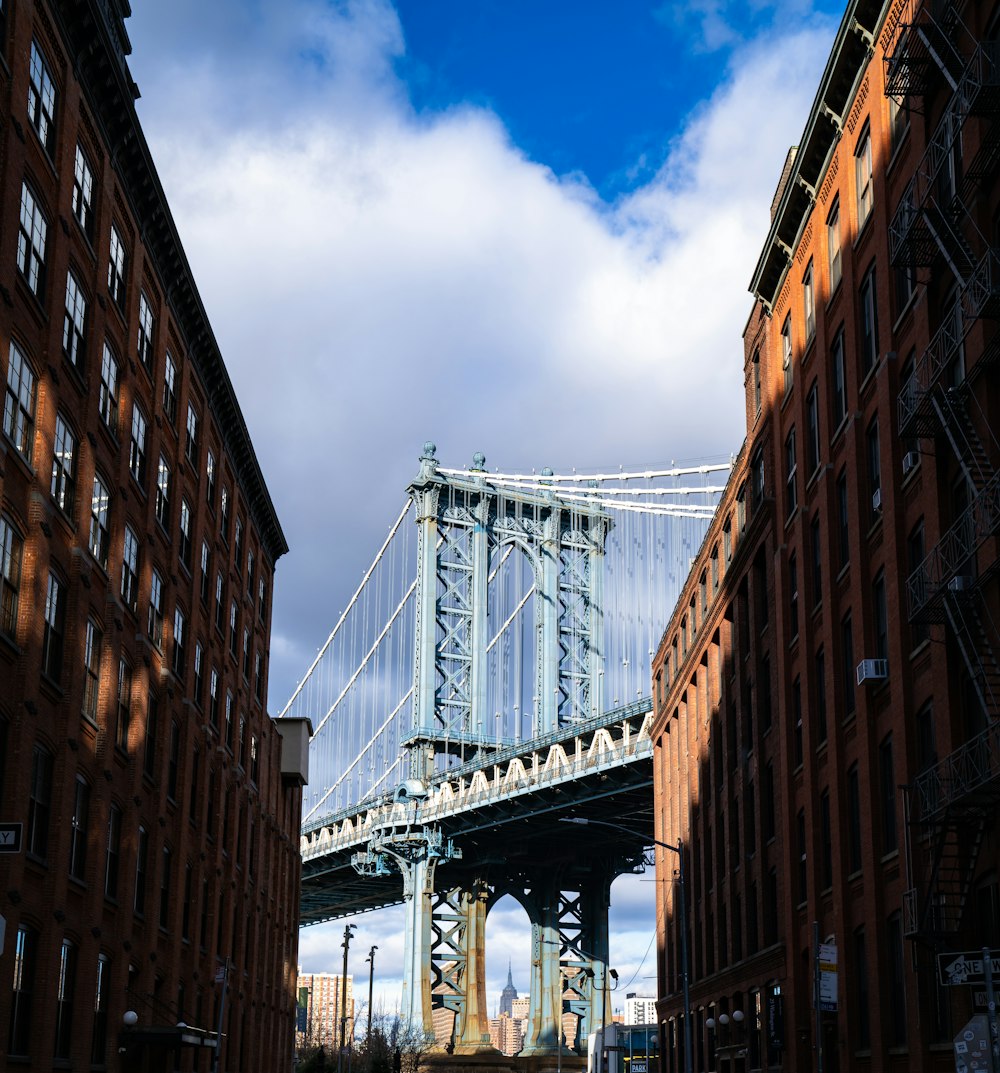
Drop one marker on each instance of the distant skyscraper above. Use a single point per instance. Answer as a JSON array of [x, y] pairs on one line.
[[508, 995]]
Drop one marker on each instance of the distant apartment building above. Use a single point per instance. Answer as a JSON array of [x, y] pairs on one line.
[[506, 1034], [827, 702], [324, 1002], [640, 1010], [158, 805]]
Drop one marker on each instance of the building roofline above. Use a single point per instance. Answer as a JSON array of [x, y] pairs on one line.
[[111, 94], [852, 50]]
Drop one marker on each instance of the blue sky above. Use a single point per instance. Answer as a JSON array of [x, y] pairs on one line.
[[519, 228]]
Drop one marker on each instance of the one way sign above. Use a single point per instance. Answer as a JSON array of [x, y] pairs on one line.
[[965, 967], [10, 837]]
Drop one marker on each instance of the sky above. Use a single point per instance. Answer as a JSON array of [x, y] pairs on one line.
[[522, 228]]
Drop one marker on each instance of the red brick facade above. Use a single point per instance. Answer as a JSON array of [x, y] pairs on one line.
[[137, 552], [827, 734]]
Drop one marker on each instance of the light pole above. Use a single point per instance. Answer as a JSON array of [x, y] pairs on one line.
[[346, 944], [371, 981], [682, 907]]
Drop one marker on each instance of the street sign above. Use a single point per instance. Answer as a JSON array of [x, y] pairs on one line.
[[972, 1047], [10, 837], [828, 976], [962, 967]]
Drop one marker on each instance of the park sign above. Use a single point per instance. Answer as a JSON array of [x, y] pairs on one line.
[[965, 967]]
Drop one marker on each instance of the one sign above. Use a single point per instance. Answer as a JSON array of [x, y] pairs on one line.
[[828, 976], [10, 837], [965, 967], [972, 1047]]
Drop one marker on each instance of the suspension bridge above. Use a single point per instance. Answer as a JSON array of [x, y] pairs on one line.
[[487, 681]]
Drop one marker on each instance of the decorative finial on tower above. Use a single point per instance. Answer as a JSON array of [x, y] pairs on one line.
[[478, 462], [428, 463], [429, 449]]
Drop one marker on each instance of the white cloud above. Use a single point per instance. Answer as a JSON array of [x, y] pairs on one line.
[[377, 278]]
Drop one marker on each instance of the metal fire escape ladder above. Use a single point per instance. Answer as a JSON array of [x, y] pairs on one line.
[[924, 49], [969, 617], [952, 409]]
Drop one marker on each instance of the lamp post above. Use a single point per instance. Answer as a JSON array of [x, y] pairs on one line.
[[371, 982], [346, 944], [682, 907]]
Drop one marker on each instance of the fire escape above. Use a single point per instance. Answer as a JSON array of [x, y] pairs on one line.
[[953, 802]]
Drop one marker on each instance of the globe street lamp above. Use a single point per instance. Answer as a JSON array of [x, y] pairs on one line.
[[685, 980]]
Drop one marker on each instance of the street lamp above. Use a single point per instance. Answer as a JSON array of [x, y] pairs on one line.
[[371, 981], [685, 981], [348, 932]]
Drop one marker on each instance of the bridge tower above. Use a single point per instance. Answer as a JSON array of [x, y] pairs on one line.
[[466, 527]]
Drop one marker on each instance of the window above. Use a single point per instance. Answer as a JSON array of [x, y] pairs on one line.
[[193, 795], [170, 388], [180, 647], [786, 352], [755, 373], [79, 822], [258, 676], [142, 849], [32, 232], [899, 121], [42, 99], [92, 669], [184, 527], [107, 403], [206, 567], [879, 617], [874, 468], [926, 736], [165, 888], [843, 527], [52, 634], [242, 751], [39, 802], [838, 379], [155, 621], [213, 698], [869, 322], [219, 601], [863, 177], [847, 664], [199, 655], [22, 991], [163, 493], [797, 750], [833, 252], [83, 191], [63, 483], [117, 260], [233, 624], [124, 704], [262, 586], [19, 404], [210, 478], [715, 569], [816, 547], [130, 569], [246, 654], [826, 841], [224, 516], [802, 847], [99, 534], [819, 664], [853, 820], [254, 759], [191, 443], [727, 548], [238, 545], [905, 277], [757, 477], [862, 1012], [99, 1036], [145, 339], [137, 447], [74, 336], [229, 720], [10, 576], [809, 301], [250, 571], [887, 785], [113, 855], [152, 734], [919, 631], [791, 494], [793, 594], [812, 430]]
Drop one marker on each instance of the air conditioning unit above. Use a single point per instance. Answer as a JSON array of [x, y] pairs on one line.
[[910, 462], [960, 584], [873, 670], [877, 499]]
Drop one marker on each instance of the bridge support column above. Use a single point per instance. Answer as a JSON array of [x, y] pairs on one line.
[[546, 995], [418, 891], [471, 1034]]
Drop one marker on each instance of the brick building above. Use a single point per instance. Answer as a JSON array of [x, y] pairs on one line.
[[324, 993], [827, 689], [160, 806]]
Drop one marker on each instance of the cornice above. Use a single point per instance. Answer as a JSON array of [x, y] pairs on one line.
[[100, 67], [845, 69]]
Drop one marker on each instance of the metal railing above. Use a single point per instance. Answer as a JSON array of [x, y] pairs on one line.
[[969, 768]]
